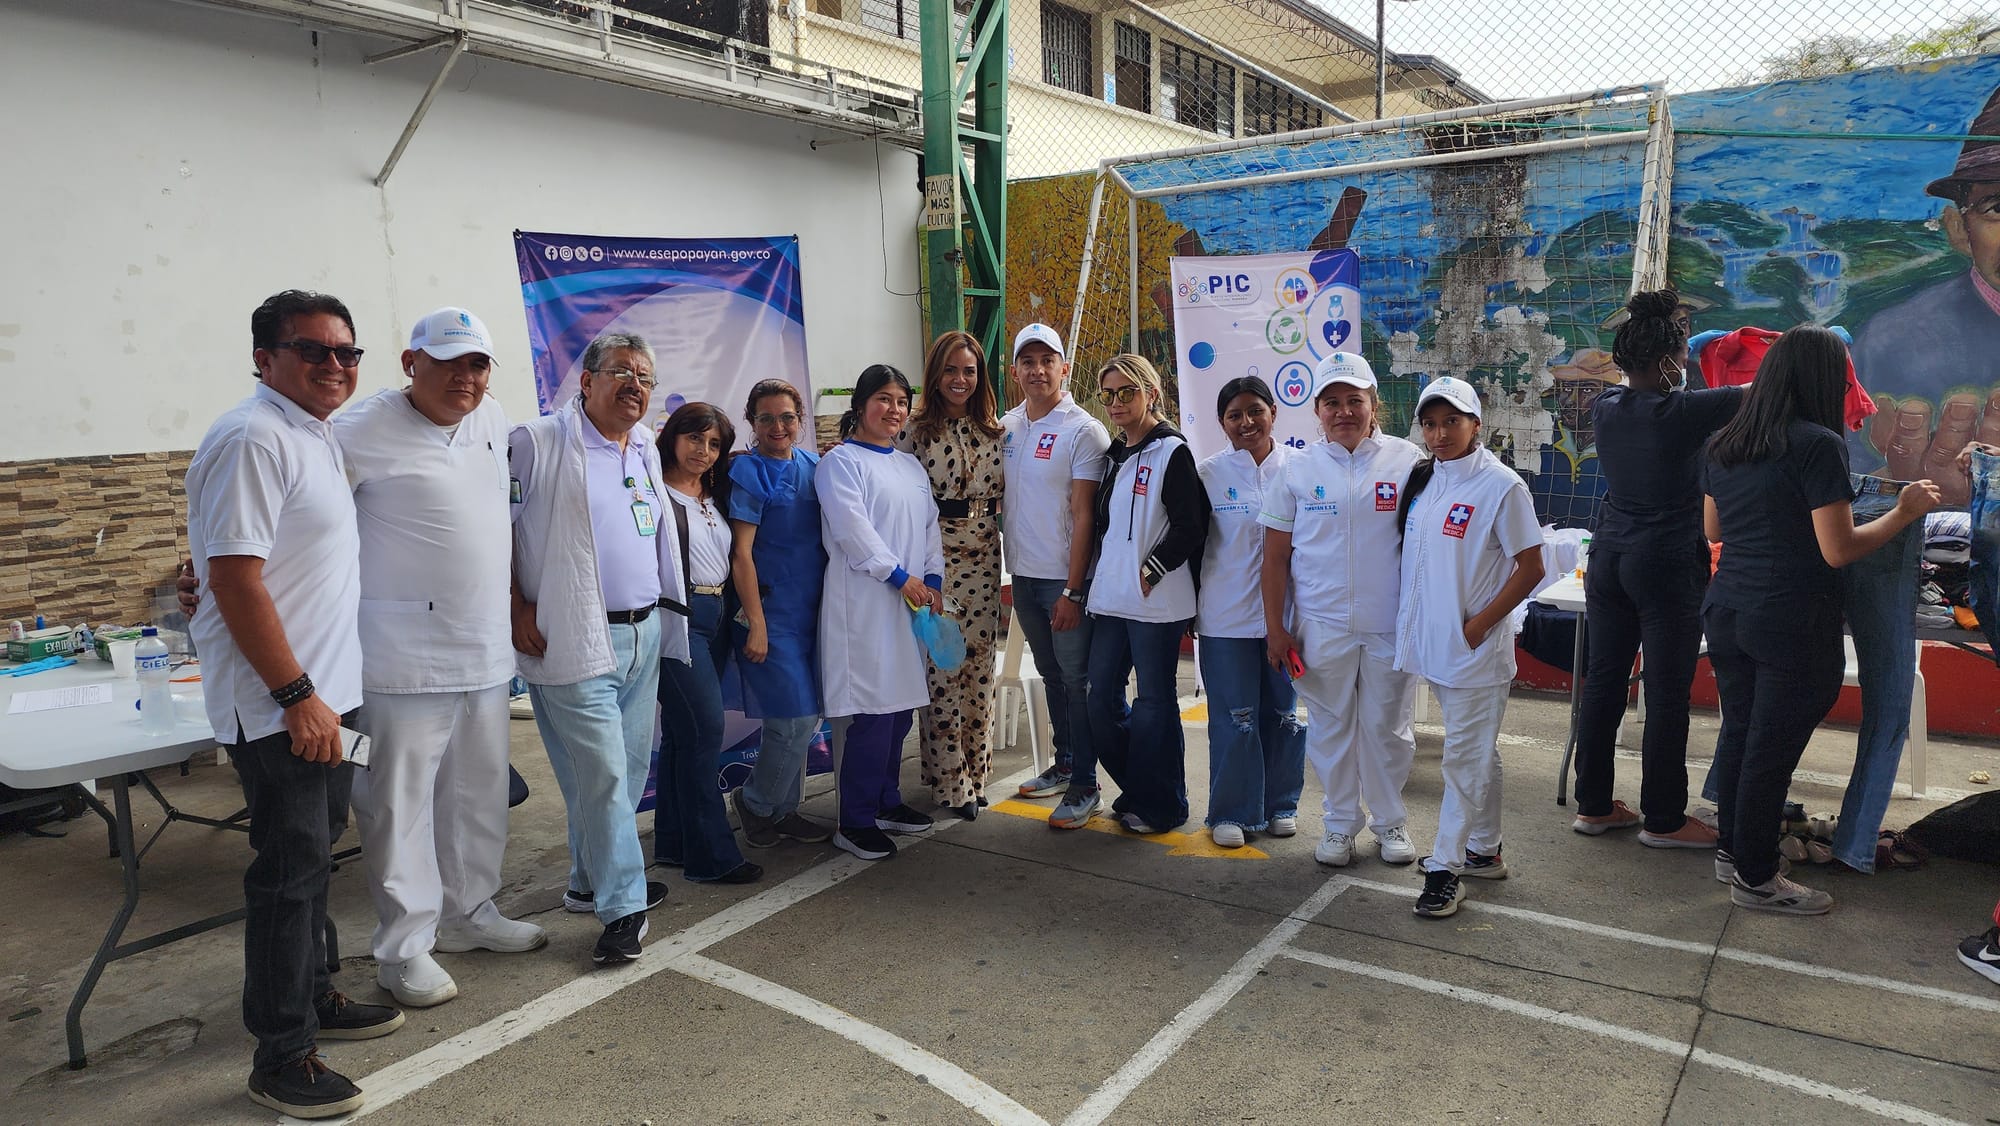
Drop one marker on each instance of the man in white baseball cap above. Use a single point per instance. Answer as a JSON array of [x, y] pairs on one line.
[[429, 468]]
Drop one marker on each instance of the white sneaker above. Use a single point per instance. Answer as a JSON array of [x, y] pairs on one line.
[[1336, 851], [495, 932], [1284, 826], [1396, 846], [417, 983], [1227, 836]]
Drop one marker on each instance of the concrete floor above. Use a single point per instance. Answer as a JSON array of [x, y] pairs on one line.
[[1003, 971]]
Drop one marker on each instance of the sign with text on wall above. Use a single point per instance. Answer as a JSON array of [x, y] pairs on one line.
[[721, 314], [1268, 315]]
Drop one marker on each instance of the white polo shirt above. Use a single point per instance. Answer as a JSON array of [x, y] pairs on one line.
[[268, 480], [1039, 460], [1232, 600], [1340, 508], [436, 545], [1459, 545]]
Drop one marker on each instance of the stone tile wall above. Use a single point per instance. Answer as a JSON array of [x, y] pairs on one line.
[[90, 538]]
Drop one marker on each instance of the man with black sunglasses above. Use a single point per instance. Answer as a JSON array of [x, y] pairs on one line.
[[272, 530]]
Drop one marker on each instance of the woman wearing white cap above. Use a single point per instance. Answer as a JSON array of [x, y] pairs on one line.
[[1472, 551], [1332, 535]]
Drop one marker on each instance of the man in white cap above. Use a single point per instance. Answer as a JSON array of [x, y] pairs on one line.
[[429, 469], [1054, 457]]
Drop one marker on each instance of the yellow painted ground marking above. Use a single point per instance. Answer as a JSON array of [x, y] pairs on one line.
[[1179, 844], [1196, 714]]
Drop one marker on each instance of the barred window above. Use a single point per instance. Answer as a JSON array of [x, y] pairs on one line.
[[1133, 72], [1197, 90], [1066, 54], [899, 17], [1270, 108]]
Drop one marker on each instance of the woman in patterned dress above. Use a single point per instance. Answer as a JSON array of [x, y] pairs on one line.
[[956, 434]]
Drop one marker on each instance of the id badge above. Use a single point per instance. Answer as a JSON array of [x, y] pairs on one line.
[[642, 515]]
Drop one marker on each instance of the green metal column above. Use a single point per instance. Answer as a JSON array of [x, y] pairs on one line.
[[965, 172]]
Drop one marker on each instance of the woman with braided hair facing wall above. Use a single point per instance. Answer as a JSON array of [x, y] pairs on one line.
[[1648, 572]]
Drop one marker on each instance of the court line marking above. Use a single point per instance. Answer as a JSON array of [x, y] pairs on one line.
[[1705, 949], [411, 1074], [1112, 1093], [1885, 1108], [946, 1077]]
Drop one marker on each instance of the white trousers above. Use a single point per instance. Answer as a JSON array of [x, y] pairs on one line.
[[1358, 737], [1469, 816], [432, 811]]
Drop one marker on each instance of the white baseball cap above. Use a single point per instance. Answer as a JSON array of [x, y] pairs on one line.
[[1343, 367], [450, 332], [1037, 333], [1455, 391]]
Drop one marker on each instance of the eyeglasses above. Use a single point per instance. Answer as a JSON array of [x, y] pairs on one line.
[[627, 375], [786, 419], [313, 352], [1125, 394]]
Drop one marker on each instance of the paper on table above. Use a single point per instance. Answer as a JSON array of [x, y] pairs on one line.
[[49, 699]]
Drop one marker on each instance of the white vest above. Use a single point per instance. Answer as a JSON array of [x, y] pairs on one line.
[[555, 556], [1138, 523]]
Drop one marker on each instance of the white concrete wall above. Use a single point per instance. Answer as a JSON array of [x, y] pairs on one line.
[[164, 167]]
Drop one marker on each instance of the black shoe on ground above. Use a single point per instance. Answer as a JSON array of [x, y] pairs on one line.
[[802, 829], [1440, 896], [903, 819], [868, 843], [1981, 954], [758, 831], [584, 902], [744, 873], [982, 801], [305, 1088], [342, 1019], [967, 812], [620, 941]]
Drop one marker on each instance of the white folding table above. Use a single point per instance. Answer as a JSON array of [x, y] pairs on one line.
[[64, 750]]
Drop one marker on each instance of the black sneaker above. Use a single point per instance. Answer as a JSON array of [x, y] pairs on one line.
[[1440, 897], [903, 819], [620, 941], [744, 873], [1981, 954], [584, 902], [305, 1088], [868, 843], [1484, 867], [342, 1019], [758, 831], [803, 829]]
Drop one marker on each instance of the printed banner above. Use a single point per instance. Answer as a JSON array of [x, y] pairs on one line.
[[1268, 315], [720, 313]]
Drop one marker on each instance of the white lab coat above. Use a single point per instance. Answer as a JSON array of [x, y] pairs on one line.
[[876, 515]]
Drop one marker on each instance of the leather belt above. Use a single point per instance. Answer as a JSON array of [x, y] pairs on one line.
[[963, 508], [709, 590], [629, 617]]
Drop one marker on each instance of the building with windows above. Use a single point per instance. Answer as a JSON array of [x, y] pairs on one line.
[[1097, 78]]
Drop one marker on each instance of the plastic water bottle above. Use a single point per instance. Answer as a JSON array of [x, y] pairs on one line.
[[156, 695], [1582, 558]]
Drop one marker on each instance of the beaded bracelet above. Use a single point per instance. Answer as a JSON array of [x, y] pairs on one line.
[[294, 693]]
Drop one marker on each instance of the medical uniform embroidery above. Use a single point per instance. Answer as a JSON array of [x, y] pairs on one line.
[[1456, 519], [1385, 496], [1139, 481], [1045, 446]]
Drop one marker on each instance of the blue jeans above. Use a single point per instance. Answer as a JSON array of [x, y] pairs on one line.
[[1063, 659], [779, 775], [1880, 591], [1141, 747], [599, 735], [1985, 570], [690, 827], [1256, 744], [297, 810]]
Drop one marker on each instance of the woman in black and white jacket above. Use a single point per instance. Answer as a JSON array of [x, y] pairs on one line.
[[1151, 524]]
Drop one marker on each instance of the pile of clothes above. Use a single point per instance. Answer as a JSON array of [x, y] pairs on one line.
[[1942, 596]]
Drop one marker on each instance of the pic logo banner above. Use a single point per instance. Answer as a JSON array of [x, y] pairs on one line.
[[720, 314], [1267, 315]]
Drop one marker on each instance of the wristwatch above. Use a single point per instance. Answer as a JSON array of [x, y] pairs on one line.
[[1073, 595]]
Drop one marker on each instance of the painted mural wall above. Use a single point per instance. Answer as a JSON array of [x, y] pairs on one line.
[[1793, 202]]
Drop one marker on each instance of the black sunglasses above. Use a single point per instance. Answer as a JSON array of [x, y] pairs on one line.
[[313, 352]]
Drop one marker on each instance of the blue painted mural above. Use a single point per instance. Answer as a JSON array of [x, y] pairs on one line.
[[1793, 202]]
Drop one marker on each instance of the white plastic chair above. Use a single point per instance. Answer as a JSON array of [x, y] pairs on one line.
[[1019, 683]]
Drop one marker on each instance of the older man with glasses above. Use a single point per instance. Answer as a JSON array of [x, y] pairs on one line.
[[596, 552]]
